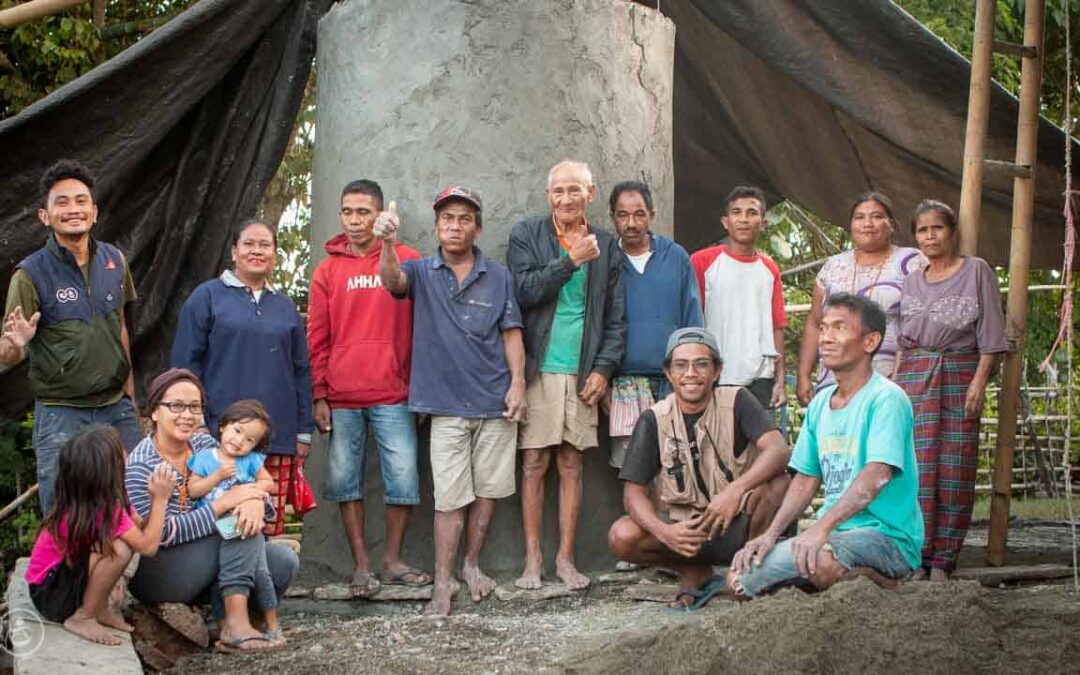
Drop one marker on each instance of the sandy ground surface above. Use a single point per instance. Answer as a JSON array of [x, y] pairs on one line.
[[959, 627]]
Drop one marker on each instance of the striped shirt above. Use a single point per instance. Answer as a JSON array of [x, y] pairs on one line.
[[180, 526]]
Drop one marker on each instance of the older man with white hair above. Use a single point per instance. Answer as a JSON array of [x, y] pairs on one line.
[[568, 282]]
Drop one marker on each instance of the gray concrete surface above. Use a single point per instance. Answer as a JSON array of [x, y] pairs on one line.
[[43, 648], [491, 94]]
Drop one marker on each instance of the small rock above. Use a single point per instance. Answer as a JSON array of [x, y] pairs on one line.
[[298, 592]]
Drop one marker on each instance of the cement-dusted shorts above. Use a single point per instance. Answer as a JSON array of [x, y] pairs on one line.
[[555, 414], [471, 458]]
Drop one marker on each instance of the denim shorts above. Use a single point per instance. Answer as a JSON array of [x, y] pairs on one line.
[[860, 547], [55, 424], [394, 427]]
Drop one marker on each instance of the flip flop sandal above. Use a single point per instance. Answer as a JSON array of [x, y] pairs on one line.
[[368, 588], [701, 597], [410, 577], [233, 646]]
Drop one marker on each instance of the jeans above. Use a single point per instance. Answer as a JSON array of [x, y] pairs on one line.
[[190, 573], [55, 424], [242, 568], [860, 547], [395, 435]]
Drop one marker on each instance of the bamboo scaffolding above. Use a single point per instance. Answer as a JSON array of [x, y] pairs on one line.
[[1019, 266], [977, 118]]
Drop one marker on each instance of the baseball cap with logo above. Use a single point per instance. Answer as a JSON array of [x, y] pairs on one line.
[[459, 192], [686, 336]]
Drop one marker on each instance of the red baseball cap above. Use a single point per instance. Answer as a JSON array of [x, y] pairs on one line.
[[458, 192]]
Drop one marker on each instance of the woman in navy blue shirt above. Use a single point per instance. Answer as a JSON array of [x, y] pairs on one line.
[[245, 340]]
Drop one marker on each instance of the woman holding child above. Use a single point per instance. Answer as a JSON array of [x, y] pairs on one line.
[[195, 562]]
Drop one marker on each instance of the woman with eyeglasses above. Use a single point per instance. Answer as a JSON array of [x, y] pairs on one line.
[[245, 340], [875, 269], [195, 562]]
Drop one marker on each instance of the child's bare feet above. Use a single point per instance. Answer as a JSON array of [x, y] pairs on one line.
[[88, 628], [114, 619]]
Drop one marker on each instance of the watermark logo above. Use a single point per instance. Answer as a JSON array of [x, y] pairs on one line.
[[67, 294], [24, 632]]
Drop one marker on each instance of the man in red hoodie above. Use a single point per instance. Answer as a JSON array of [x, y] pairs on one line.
[[360, 341]]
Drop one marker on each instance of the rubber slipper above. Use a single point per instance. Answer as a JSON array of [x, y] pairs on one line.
[[368, 585], [701, 597], [410, 577], [234, 646]]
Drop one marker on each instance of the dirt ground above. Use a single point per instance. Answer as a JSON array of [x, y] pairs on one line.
[[959, 627]]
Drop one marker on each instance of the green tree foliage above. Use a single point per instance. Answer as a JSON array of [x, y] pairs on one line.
[[47, 53]]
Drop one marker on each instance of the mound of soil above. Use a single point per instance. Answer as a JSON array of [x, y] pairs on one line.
[[953, 628]]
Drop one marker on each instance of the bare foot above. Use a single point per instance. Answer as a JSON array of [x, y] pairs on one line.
[[114, 619], [533, 576], [875, 576], [403, 574], [441, 596], [88, 628], [920, 575], [480, 585], [574, 580], [938, 574]]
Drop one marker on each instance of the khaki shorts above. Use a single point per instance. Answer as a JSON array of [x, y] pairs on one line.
[[554, 414], [471, 458]]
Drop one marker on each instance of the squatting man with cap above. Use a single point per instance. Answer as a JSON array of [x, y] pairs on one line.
[[468, 374], [720, 461]]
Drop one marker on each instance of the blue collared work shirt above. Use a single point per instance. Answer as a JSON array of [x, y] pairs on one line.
[[458, 361]]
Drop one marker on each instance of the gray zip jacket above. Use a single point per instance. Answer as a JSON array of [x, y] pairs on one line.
[[540, 272]]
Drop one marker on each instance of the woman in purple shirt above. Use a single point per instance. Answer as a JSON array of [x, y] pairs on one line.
[[951, 332]]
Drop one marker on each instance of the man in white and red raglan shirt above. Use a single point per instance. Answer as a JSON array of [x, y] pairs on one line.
[[360, 341], [744, 301]]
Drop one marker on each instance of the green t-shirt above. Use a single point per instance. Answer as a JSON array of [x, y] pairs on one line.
[[877, 425], [564, 345]]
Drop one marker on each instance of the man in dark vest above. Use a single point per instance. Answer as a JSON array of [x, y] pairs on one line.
[[65, 308], [716, 460]]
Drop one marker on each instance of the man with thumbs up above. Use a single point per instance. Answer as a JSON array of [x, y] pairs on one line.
[[360, 345], [568, 280], [468, 374]]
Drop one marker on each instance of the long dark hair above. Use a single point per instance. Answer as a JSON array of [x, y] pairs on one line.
[[90, 493]]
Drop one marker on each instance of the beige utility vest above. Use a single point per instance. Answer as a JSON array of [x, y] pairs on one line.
[[679, 484]]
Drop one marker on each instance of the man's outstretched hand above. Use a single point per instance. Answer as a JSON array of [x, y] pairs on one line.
[[20, 330]]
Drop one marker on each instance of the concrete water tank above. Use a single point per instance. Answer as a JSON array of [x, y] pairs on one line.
[[489, 93]]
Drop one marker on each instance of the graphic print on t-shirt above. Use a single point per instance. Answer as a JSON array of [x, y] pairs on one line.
[[838, 456]]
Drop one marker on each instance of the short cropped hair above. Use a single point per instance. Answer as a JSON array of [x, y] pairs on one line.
[[65, 169], [871, 315], [631, 186], [744, 191], [580, 167], [364, 187]]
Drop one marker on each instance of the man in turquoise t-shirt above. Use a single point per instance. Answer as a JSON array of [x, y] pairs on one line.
[[857, 445]]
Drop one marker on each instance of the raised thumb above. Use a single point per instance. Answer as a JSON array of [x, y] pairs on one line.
[[392, 208]]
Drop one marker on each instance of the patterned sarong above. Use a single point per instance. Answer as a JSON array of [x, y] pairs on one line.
[[631, 395], [946, 446], [281, 469]]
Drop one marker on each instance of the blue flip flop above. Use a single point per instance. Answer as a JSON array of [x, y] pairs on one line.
[[704, 593]]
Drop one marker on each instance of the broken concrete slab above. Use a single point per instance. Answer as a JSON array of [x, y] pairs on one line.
[[388, 593], [43, 648], [548, 592], [651, 592]]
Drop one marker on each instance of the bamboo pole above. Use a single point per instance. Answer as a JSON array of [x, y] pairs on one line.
[[975, 135], [1027, 133], [34, 9]]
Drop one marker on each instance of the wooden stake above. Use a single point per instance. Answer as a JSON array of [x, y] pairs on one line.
[[34, 9], [975, 135], [1019, 265]]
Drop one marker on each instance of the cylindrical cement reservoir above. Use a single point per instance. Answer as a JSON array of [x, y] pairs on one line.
[[489, 93]]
